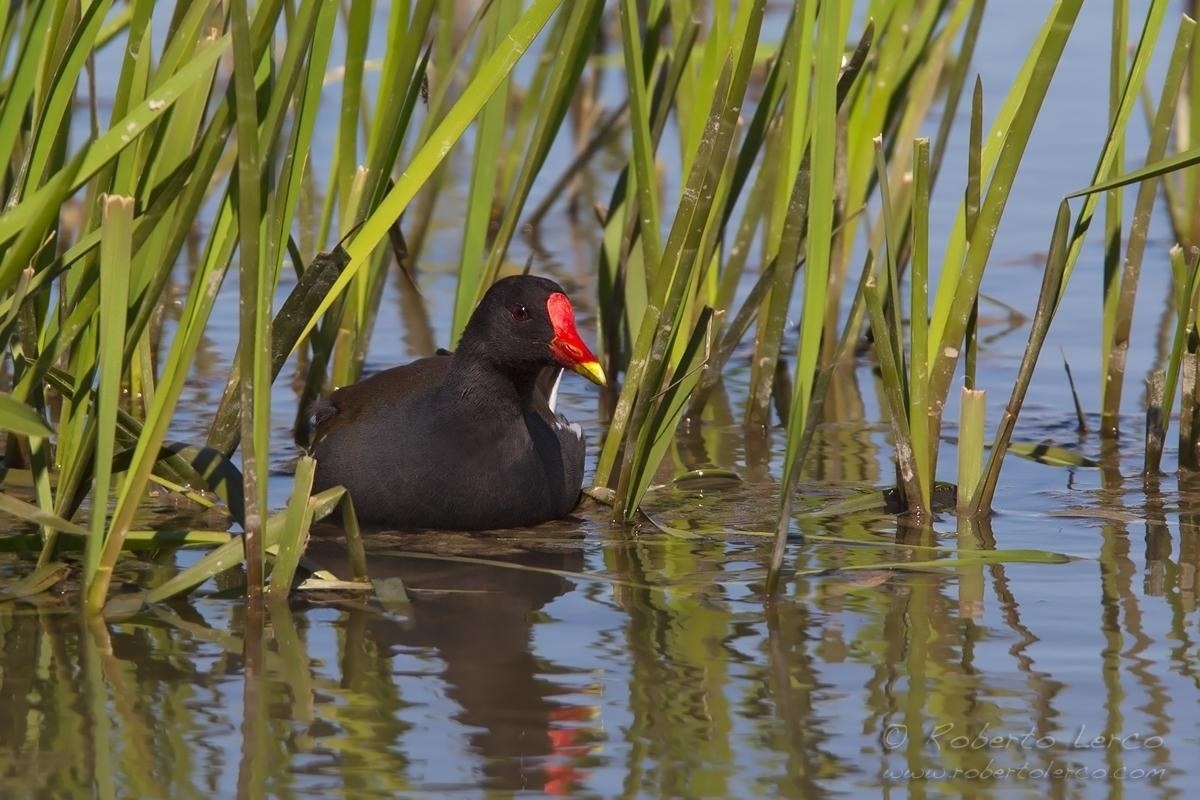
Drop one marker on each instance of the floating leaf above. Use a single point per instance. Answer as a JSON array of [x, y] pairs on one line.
[[391, 593], [37, 582], [707, 478], [1111, 514], [1051, 455], [315, 584], [965, 558]]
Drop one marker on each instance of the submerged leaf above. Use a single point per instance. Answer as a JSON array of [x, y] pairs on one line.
[[864, 581], [124, 605], [37, 582], [1111, 514]]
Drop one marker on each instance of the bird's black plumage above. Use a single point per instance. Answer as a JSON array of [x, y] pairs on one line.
[[465, 441]]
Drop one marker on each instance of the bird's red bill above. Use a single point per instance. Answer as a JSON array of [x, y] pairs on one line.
[[567, 346]]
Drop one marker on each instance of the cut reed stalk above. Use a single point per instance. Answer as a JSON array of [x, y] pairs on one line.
[[972, 415]]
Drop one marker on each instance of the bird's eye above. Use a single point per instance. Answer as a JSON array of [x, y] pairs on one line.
[[520, 313]]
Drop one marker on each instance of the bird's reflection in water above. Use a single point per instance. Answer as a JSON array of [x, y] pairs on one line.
[[478, 618]]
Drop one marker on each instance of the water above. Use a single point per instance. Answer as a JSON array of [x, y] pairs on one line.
[[577, 659]]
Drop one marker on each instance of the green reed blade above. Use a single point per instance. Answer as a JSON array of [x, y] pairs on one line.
[[1186, 279], [10, 307], [959, 72], [296, 523], [20, 419], [116, 252], [1137, 74], [557, 39], [787, 212], [297, 95], [1113, 219], [489, 148], [972, 199], [625, 272], [1175, 163], [925, 434], [657, 435], [25, 227], [729, 329], [157, 539], [657, 347], [227, 556], [1120, 298], [315, 22], [434, 150], [404, 69], [1186, 137], [1053, 283], [773, 314], [31, 513], [63, 67], [642, 174], [354, 111], [797, 99], [175, 366], [831, 35], [1000, 158], [580, 29], [891, 366], [23, 80], [133, 82], [42, 204], [186, 33], [295, 311], [255, 284], [889, 273]]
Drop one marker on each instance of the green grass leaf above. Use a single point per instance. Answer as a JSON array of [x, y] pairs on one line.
[[20, 419]]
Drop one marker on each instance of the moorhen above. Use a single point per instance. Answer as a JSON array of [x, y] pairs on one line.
[[466, 440]]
